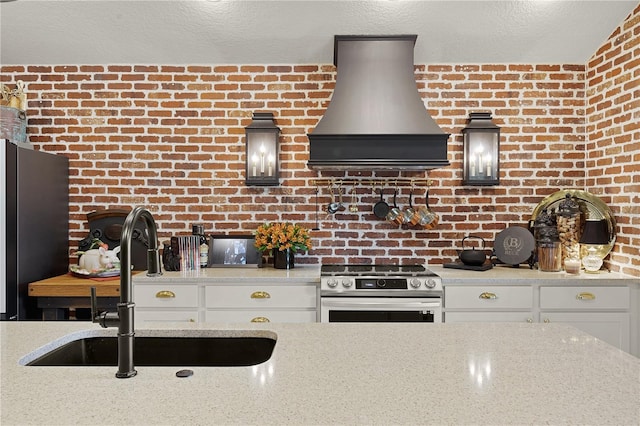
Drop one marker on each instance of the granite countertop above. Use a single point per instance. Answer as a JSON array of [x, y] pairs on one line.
[[339, 374]]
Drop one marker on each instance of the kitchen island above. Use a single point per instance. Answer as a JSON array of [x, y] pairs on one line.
[[338, 374]]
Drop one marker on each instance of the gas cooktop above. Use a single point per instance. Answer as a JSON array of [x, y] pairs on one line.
[[375, 270]]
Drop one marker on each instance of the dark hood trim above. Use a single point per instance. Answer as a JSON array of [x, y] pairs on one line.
[[343, 152]]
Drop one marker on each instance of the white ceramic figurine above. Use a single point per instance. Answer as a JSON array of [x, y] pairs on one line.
[[99, 259]]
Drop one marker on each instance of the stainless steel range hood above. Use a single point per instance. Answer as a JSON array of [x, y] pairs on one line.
[[376, 118]]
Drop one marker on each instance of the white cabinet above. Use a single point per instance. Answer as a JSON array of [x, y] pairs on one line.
[[602, 311], [229, 295], [166, 302], [261, 303], [488, 303]]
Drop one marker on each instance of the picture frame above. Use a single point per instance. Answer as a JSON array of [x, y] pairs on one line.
[[233, 251]]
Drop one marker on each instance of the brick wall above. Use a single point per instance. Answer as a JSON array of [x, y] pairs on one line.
[[613, 132], [172, 138]]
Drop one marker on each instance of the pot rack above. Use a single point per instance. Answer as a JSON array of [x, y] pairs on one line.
[[387, 182]]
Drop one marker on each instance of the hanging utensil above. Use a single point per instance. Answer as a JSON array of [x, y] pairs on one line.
[[353, 208], [409, 213], [395, 214], [381, 208], [317, 227], [333, 206], [430, 219]]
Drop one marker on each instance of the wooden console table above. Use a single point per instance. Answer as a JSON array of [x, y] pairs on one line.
[[60, 296]]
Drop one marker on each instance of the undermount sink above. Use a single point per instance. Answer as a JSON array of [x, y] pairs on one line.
[[163, 351]]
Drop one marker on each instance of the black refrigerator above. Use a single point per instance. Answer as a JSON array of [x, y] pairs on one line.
[[34, 225]]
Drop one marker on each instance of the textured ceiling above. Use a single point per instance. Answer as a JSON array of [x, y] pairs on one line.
[[291, 32]]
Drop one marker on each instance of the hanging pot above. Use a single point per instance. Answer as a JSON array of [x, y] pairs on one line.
[[472, 257], [428, 219], [381, 208], [408, 215], [395, 214]]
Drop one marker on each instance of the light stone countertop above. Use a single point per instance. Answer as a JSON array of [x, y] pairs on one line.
[[507, 275], [338, 374], [245, 274]]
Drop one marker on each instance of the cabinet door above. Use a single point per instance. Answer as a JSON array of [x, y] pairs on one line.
[[612, 328], [225, 316], [261, 296], [450, 317], [488, 297]]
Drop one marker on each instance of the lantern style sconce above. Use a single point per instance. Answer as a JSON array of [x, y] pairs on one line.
[[262, 136], [481, 160]]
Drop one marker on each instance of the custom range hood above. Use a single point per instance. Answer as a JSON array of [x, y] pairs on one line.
[[376, 118]]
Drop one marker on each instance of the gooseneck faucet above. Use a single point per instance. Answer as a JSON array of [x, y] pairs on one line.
[[123, 318]]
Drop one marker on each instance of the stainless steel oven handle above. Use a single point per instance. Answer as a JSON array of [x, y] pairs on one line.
[[386, 305]]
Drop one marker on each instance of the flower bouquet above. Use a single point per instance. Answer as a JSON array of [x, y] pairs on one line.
[[284, 239]]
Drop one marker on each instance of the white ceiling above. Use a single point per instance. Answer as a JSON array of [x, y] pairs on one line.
[[292, 32]]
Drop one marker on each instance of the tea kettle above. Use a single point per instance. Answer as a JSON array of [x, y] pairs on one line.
[[472, 257]]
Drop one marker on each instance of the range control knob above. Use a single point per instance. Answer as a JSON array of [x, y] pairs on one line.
[[332, 282], [414, 282], [381, 283], [346, 282], [431, 283]]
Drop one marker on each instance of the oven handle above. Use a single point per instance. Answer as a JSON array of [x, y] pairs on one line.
[[388, 305]]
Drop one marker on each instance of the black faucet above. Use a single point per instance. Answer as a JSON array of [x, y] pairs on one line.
[[123, 318]]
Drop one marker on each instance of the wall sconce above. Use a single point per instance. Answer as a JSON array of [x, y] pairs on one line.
[[481, 162], [262, 139], [595, 233]]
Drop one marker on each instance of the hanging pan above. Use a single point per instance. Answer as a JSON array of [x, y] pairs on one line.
[[381, 208]]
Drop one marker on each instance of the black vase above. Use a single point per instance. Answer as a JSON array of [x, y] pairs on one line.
[[283, 259]]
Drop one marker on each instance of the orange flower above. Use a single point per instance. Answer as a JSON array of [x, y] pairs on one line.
[[282, 236]]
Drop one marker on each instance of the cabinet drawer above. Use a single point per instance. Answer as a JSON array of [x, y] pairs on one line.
[[257, 315], [142, 316], [166, 296], [261, 296], [488, 297], [601, 297], [451, 317]]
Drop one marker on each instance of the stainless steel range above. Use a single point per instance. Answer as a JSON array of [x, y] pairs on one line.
[[380, 293]]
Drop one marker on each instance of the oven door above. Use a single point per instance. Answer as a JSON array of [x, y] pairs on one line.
[[380, 309]]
